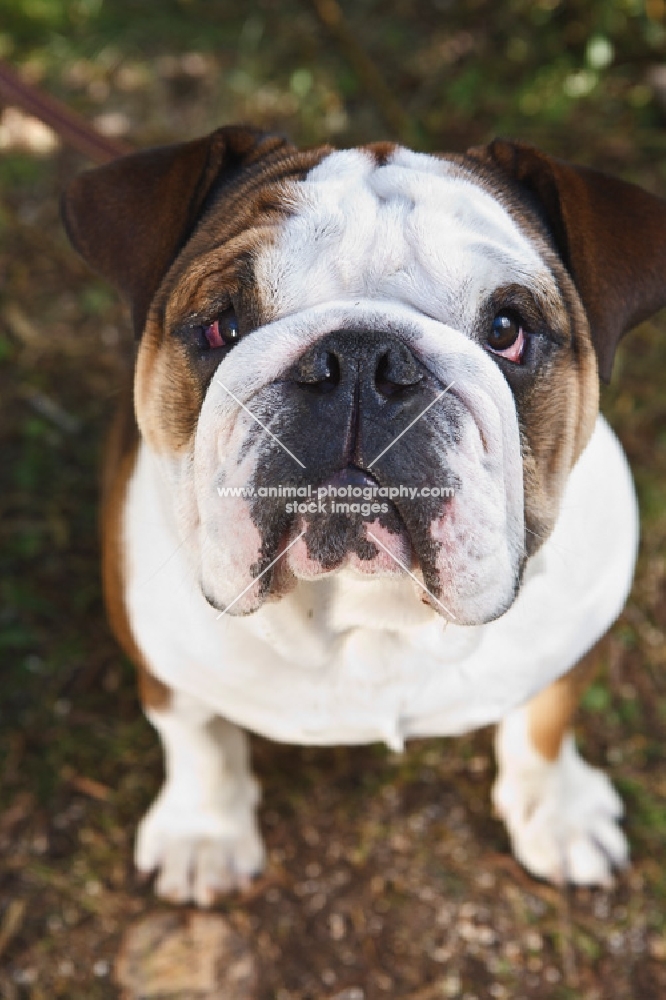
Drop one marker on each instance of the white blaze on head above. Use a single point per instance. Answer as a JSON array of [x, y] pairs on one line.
[[413, 230]]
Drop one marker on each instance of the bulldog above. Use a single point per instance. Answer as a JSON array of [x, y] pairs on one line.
[[363, 491]]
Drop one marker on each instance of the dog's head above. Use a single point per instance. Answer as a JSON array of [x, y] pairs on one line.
[[395, 355]]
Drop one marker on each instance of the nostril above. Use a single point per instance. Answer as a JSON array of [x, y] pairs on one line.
[[385, 387], [332, 368], [394, 375], [322, 375]]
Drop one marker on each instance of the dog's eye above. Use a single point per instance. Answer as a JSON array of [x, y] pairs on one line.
[[222, 332], [507, 336]]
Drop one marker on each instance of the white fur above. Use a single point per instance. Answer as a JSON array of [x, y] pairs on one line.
[[414, 230], [346, 660], [201, 831], [562, 816]]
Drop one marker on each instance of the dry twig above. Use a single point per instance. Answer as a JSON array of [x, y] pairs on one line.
[[71, 128], [12, 922]]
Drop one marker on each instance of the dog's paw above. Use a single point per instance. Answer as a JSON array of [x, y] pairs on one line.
[[198, 854], [562, 816]]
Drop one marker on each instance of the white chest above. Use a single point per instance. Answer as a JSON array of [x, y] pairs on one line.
[[345, 660]]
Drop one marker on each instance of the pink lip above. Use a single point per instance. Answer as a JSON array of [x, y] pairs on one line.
[[304, 566]]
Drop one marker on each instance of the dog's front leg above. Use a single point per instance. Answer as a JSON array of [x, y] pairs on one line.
[[562, 815], [201, 832]]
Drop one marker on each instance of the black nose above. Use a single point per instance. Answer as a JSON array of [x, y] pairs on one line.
[[375, 361]]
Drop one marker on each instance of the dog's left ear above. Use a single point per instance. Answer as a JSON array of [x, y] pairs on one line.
[[611, 236], [131, 217]]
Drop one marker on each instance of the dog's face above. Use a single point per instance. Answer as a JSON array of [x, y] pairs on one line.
[[375, 294], [416, 330]]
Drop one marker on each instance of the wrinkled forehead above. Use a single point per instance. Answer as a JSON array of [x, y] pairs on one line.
[[419, 228]]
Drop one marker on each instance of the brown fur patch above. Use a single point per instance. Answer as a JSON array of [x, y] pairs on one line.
[[214, 269], [551, 712], [610, 234], [120, 458], [557, 412], [381, 151]]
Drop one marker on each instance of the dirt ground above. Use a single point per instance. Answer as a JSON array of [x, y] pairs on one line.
[[388, 875]]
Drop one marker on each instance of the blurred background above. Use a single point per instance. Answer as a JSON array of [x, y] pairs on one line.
[[388, 876]]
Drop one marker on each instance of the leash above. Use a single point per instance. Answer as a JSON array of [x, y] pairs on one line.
[[73, 130]]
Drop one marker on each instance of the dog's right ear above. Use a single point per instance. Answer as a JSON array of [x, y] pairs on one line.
[[129, 218]]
